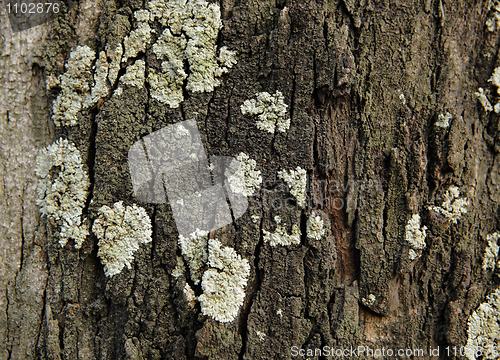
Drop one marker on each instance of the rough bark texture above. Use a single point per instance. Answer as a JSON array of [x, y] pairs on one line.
[[365, 81]]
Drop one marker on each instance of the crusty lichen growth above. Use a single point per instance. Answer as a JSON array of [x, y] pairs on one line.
[[194, 251], [100, 88], [189, 295], [491, 252], [280, 236], [75, 88], [297, 182], [369, 301], [120, 231], [223, 283], [192, 28], [452, 207], [114, 67], [493, 23], [135, 75], [242, 176], [271, 111], [415, 235], [314, 227], [484, 329], [483, 99], [139, 38], [63, 189], [444, 120]]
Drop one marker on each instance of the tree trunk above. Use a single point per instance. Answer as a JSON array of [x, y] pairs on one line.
[[365, 82]]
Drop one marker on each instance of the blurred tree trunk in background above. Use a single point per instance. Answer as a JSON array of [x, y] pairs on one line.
[[365, 81]]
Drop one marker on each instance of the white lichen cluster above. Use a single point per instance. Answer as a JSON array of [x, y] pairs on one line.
[[191, 33], [315, 227], [115, 55], [189, 295], [297, 182], [415, 235], [223, 283], [120, 231], [139, 38], [484, 330], [63, 189], [271, 111], [194, 251], [75, 88], [179, 269], [444, 120], [100, 88], [369, 301], [280, 235], [453, 207], [493, 23], [491, 252], [135, 74], [245, 180], [482, 96], [483, 99]]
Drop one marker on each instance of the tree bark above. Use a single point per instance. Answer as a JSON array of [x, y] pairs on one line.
[[365, 82]]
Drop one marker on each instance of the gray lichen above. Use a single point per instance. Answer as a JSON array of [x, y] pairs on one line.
[[297, 181], [452, 207], [315, 227], [191, 33], [244, 179], [271, 111], [120, 231], [194, 251], [223, 283], [484, 329], [415, 235], [75, 88], [62, 194], [280, 235], [491, 252]]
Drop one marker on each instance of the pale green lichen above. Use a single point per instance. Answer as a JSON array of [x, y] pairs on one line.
[[444, 120], [415, 235], [297, 182], [120, 231], [139, 38], [484, 330], [280, 235], [242, 176], [63, 189], [100, 88], [135, 74], [271, 111], [191, 36], [227, 59], [491, 252], [453, 207], [114, 67], [75, 88], [194, 251], [315, 228], [223, 283]]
